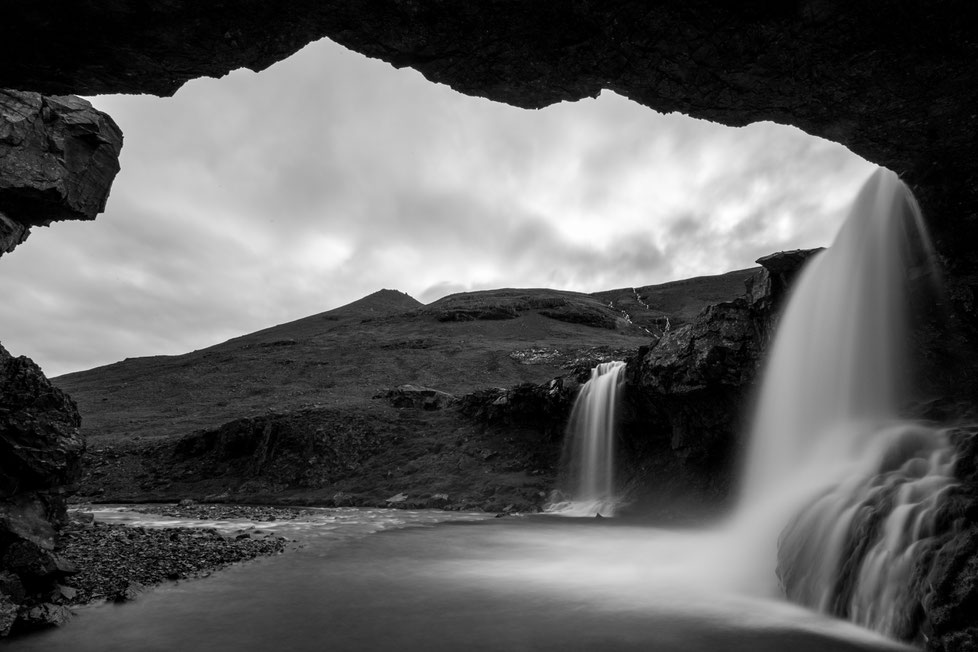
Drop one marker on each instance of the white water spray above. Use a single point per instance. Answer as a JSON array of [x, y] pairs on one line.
[[828, 452], [590, 447]]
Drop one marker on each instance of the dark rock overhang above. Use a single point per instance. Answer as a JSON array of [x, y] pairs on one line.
[[889, 79], [896, 81]]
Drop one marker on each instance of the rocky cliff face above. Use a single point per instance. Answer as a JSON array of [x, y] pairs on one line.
[[687, 396], [58, 158], [40, 460]]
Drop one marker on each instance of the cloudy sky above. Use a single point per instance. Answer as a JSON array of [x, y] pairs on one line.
[[261, 198]]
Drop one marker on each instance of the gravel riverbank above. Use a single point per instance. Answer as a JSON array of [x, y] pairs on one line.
[[116, 562]]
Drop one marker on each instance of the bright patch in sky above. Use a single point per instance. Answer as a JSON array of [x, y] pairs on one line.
[[257, 199]]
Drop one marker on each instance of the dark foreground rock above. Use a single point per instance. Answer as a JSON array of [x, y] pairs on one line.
[[58, 158], [40, 460]]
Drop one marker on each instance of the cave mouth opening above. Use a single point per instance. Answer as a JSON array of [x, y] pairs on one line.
[[258, 198]]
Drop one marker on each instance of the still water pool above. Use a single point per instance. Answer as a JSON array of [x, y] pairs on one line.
[[428, 580]]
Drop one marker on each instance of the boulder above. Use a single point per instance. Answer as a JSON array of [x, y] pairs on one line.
[[40, 451], [40, 444], [58, 158], [421, 398], [8, 614], [42, 616]]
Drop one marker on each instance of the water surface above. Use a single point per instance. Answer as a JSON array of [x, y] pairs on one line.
[[428, 580]]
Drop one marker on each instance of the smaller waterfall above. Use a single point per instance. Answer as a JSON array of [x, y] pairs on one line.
[[590, 446]]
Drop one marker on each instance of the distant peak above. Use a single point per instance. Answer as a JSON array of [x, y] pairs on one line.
[[380, 302]]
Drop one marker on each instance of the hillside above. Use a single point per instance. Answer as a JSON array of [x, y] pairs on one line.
[[677, 302], [309, 410], [346, 356]]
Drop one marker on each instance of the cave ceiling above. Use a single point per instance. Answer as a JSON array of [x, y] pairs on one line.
[[896, 81]]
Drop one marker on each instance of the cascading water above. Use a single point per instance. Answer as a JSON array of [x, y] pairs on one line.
[[590, 446], [860, 488]]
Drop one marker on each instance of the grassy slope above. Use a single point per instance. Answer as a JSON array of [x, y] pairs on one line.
[[679, 301], [337, 358], [335, 364]]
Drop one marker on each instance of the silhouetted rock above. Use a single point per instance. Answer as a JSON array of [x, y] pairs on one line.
[[58, 157], [8, 614], [40, 460]]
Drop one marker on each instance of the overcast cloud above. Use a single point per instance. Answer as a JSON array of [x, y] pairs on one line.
[[257, 199]]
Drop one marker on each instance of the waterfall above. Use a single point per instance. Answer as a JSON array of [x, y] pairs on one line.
[[859, 489], [590, 446]]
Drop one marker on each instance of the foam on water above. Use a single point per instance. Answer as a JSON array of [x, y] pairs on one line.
[[829, 453]]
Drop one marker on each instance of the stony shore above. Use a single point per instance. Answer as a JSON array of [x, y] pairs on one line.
[[117, 562]]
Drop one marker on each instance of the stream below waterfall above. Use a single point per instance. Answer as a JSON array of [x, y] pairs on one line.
[[428, 580]]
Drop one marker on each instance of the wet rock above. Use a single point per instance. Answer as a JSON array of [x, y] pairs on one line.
[[63, 595], [397, 500], [8, 613], [42, 616], [129, 592], [686, 392]]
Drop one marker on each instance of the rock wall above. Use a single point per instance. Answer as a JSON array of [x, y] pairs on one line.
[[687, 396], [58, 158], [40, 461]]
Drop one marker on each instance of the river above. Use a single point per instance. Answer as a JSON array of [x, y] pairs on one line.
[[429, 580]]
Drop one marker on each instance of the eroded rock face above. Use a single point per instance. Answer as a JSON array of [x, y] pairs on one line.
[[686, 396], [40, 460], [58, 158]]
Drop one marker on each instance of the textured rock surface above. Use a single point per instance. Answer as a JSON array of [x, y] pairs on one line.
[[948, 591], [40, 459], [413, 396], [428, 458], [58, 158], [686, 395]]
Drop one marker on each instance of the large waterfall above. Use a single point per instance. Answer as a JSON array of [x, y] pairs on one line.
[[829, 454], [590, 446]]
